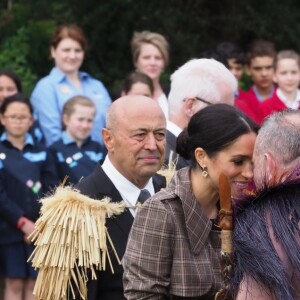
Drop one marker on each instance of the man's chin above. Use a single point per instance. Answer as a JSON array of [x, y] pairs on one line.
[[150, 169]]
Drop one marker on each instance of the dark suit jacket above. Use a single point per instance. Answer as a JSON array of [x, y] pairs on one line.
[[171, 146], [97, 185]]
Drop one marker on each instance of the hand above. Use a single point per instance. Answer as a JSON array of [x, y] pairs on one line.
[[27, 229]]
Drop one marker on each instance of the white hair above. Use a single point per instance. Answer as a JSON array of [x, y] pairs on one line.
[[203, 78]]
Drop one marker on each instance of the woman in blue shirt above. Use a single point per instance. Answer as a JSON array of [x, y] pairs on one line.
[[68, 47], [26, 173]]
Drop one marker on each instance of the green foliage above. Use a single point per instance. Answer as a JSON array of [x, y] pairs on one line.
[[13, 55], [190, 26]]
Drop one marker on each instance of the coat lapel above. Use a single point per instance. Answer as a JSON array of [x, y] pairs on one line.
[[105, 187]]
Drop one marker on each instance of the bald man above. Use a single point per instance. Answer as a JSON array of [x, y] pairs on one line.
[[135, 138]]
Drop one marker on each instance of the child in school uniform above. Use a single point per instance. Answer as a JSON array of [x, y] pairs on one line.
[[26, 173], [10, 84], [76, 153], [260, 67], [287, 78]]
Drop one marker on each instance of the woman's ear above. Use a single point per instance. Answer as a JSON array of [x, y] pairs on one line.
[[201, 157], [52, 52]]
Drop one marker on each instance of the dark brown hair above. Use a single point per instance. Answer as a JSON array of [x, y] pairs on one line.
[[260, 48], [71, 31]]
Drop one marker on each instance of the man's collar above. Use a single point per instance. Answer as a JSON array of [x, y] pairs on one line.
[[126, 188], [173, 128]]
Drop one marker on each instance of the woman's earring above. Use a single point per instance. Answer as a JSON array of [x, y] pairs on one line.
[[204, 172]]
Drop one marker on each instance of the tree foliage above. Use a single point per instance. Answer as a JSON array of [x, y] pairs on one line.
[[191, 27]]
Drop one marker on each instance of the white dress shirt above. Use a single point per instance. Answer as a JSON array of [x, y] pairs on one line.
[[127, 189], [173, 128]]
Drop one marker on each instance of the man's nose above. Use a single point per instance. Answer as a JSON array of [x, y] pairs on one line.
[[264, 71], [151, 142]]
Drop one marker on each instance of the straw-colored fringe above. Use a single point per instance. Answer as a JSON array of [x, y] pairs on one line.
[[70, 237], [169, 170]]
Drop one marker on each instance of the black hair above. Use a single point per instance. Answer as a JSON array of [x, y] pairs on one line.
[[230, 50], [213, 128], [259, 48], [252, 235], [135, 77], [14, 77], [20, 98], [215, 55]]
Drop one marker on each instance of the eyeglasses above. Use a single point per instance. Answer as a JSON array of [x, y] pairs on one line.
[[200, 99], [15, 118], [204, 101]]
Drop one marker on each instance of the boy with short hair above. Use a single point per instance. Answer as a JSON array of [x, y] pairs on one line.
[[260, 67], [234, 56]]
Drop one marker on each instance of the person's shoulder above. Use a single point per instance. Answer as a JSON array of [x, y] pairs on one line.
[[268, 102], [88, 77], [37, 146], [272, 104], [51, 77], [246, 95], [159, 181], [89, 185], [56, 145]]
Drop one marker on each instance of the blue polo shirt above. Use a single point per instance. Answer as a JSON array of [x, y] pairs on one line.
[[53, 91], [74, 162], [25, 176]]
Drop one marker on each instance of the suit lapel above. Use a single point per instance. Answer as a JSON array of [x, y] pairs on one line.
[[105, 187], [159, 182]]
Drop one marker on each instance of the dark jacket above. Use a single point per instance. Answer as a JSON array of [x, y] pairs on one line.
[[110, 286], [171, 147], [25, 176]]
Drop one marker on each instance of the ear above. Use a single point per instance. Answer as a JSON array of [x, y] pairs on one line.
[[52, 51], [189, 107], [65, 120], [271, 166], [201, 157], [107, 139]]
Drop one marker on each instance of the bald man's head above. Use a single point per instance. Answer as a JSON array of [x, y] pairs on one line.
[[126, 106], [135, 137]]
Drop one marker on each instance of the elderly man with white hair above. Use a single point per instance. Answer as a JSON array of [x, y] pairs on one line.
[[196, 84]]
